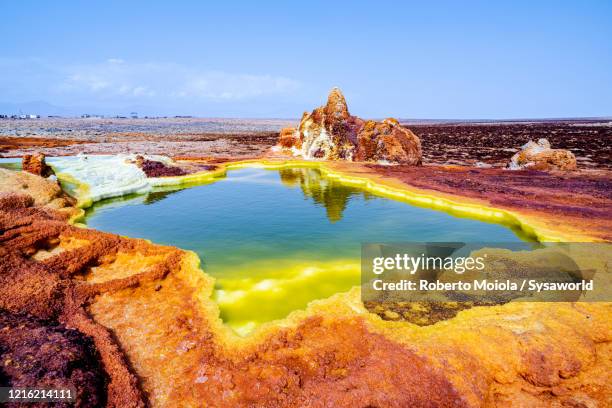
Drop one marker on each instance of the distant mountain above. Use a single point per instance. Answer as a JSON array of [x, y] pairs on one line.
[[34, 108]]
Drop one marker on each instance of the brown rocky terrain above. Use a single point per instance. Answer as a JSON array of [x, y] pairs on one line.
[[459, 143], [575, 204], [493, 144], [38, 143], [153, 168], [38, 353], [148, 312], [238, 145], [167, 136], [127, 315]]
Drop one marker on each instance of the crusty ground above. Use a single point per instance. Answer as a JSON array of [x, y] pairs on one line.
[[37, 143], [495, 143], [41, 192], [37, 353], [148, 311], [461, 143], [216, 144]]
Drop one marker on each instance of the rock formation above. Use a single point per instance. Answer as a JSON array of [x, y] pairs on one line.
[[330, 132], [35, 164], [540, 156]]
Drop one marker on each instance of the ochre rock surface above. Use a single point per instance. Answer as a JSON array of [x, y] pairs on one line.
[[156, 333], [388, 141], [330, 132], [540, 156], [290, 137], [35, 164], [42, 192]]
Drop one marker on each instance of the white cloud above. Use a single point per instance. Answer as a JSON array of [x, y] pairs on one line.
[[222, 85], [118, 78], [114, 85]]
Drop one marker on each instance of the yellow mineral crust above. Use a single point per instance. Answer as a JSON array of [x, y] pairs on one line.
[[58, 245]]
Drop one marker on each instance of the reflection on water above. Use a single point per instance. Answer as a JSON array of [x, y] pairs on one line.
[[275, 240], [327, 193], [331, 194], [155, 196]]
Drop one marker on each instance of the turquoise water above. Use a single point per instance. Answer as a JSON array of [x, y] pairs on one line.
[[10, 163], [275, 240]]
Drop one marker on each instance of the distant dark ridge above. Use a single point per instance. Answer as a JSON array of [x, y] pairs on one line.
[[60, 113], [518, 121]]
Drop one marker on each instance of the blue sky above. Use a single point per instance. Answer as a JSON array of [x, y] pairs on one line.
[[277, 59]]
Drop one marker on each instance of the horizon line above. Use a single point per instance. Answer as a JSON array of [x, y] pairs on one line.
[[13, 116]]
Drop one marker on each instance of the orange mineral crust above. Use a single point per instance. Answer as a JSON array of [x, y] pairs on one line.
[[14, 143], [154, 329]]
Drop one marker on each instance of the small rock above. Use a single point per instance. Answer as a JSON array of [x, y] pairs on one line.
[[540, 156], [391, 315], [35, 164]]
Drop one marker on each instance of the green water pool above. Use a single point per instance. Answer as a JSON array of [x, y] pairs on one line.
[[277, 239]]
